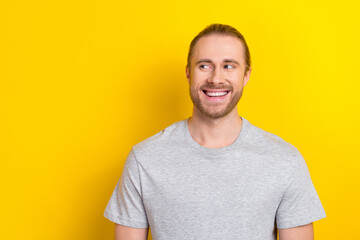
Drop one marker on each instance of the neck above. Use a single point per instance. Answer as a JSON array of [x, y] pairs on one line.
[[215, 133]]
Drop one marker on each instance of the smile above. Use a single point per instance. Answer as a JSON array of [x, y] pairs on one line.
[[215, 93]]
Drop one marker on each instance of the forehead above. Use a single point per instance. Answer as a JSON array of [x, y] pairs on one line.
[[218, 47]]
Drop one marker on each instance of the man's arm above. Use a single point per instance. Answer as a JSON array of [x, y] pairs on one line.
[[129, 233], [305, 232]]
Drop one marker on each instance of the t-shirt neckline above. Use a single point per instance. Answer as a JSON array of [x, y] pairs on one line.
[[238, 141]]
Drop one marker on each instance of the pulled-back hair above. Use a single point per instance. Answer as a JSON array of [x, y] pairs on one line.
[[221, 29]]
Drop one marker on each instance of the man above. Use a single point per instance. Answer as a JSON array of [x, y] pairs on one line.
[[215, 175]]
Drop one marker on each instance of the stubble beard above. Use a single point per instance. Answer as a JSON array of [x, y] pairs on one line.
[[210, 110]]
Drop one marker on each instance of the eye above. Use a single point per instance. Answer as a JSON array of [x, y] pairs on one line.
[[227, 66], [205, 67]]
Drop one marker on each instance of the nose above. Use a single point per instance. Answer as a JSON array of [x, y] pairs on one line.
[[216, 77]]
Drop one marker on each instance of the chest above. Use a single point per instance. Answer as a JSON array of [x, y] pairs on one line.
[[212, 187]]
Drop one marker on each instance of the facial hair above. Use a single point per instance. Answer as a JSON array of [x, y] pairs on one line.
[[207, 109]]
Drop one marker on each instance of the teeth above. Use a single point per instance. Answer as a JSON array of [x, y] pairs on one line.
[[215, 94]]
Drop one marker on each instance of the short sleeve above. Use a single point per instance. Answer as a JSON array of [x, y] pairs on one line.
[[125, 206], [300, 204]]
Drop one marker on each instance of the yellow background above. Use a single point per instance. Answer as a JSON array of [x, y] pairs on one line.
[[83, 81]]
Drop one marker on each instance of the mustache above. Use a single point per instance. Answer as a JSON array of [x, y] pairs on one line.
[[211, 86]]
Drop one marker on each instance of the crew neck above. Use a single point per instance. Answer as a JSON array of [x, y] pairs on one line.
[[238, 141]]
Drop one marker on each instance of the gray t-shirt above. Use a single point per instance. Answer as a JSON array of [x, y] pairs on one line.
[[183, 190]]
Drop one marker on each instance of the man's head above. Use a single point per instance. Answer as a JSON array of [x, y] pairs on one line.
[[217, 70], [224, 30]]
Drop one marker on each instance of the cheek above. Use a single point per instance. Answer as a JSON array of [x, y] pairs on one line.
[[198, 78], [236, 83], [233, 74], [200, 75]]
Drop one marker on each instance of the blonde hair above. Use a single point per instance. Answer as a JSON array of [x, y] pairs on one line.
[[220, 29]]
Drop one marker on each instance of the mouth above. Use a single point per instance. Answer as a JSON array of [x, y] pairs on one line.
[[215, 94]]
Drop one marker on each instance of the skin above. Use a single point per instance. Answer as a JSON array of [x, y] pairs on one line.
[[217, 64], [129, 233], [305, 232]]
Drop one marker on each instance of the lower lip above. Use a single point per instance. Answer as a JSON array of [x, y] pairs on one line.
[[216, 99]]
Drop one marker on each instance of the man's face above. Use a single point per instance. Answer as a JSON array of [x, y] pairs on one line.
[[217, 75]]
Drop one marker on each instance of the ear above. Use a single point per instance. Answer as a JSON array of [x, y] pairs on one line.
[[187, 70], [247, 76]]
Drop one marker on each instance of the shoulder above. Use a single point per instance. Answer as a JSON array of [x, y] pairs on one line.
[[269, 144], [165, 139]]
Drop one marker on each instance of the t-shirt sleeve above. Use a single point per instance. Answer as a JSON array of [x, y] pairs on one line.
[[300, 204], [125, 206]]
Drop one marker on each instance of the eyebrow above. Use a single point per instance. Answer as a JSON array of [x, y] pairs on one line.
[[227, 60], [231, 60]]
